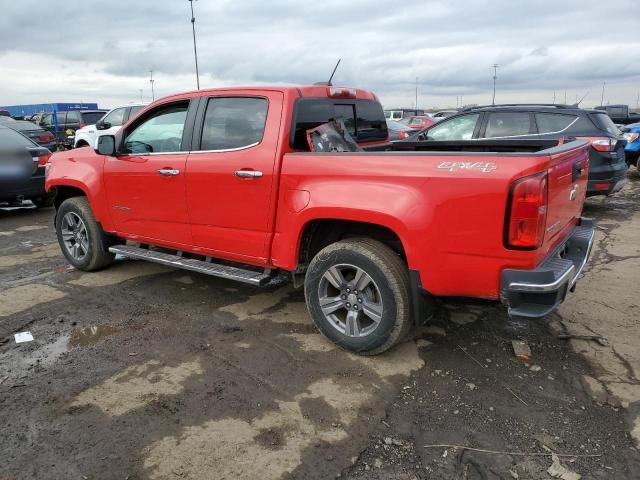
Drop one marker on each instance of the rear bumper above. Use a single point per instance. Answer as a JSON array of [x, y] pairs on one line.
[[536, 293], [610, 184]]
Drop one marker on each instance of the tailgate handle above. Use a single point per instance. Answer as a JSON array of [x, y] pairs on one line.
[[577, 171]]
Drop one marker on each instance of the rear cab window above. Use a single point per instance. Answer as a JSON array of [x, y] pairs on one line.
[[364, 119]]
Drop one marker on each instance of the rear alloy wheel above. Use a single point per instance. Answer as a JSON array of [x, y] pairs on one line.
[[357, 294], [80, 236]]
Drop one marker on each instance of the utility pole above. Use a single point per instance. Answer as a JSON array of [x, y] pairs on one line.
[[602, 97], [151, 80], [495, 76], [416, 93], [565, 97], [195, 49], [554, 97], [638, 101]]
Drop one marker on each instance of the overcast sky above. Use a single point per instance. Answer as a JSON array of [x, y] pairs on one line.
[[70, 50]]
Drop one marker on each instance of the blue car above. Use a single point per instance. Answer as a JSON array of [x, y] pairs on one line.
[[632, 149]]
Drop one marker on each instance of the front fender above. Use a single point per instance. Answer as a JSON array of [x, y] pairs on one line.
[[81, 169]]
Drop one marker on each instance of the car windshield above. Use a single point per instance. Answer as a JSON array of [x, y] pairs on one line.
[[604, 122]]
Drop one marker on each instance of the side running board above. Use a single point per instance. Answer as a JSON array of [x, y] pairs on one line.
[[208, 268]]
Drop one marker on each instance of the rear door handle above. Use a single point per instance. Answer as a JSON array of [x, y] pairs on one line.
[[168, 172], [248, 174]]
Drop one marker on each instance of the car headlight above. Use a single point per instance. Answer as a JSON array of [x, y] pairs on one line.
[[631, 137]]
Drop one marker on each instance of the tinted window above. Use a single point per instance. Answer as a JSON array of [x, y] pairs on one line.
[[603, 122], [115, 118], [458, 128], [553, 122], [68, 117], [370, 122], [12, 139], [159, 132], [134, 111], [233, 123], [89, 118], [311, 112], [346, 113], [508, 124]]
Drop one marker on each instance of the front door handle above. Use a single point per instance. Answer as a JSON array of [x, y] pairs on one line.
[[168, 172], [248, 174]]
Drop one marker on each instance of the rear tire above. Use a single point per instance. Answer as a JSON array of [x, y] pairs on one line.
[[80, 236], [357, 293]]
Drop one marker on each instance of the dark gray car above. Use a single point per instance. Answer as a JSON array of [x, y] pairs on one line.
[[607, 165]]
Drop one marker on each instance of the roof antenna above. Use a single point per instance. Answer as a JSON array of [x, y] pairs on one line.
[[583, 97], [331, 77]]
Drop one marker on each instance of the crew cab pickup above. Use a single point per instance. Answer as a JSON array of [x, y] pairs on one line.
[[223, 182]]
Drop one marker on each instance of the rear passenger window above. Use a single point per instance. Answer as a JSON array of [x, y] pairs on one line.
[[508, 124], [233, 122], [346, 113], [553, 122]]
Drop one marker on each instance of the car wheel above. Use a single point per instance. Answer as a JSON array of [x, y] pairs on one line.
[[357, 293], [80, 236]]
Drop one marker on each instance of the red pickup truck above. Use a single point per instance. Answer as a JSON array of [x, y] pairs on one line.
[[222, 182]]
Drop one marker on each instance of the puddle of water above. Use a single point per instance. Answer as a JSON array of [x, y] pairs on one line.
[[86, 336]]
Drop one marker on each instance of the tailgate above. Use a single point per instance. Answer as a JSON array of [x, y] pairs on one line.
[[567, 186]]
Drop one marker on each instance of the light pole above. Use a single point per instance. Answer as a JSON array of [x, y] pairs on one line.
[[495, 76], [602, 96], [416, 94], [151, 80], [195, 49]]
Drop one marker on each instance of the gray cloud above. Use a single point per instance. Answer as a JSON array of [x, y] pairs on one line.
[[540, 46]]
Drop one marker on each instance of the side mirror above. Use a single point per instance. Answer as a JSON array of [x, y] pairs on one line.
[[102, 125], [106, 145]]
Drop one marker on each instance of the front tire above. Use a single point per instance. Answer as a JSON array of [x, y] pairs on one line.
[[357, 293], [81, 237]]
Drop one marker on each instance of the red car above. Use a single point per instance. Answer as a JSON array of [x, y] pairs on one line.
[[420, 122], [222, 182]]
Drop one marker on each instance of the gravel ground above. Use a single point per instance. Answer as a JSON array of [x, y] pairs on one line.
[[143, 372]]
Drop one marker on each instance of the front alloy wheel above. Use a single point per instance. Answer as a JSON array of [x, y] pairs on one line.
[[74, 236]]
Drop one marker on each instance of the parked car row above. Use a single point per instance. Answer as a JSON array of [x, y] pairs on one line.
[[607, 165]]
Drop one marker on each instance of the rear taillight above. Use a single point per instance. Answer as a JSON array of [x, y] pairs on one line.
[[602, 144], [403, 135], [82, 125], [46, 137], [526, 213], [43, 159]]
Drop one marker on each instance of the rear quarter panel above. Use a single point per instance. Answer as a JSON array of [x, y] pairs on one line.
[[447, 209]]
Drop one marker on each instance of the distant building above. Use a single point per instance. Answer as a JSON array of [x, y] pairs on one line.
[[32, 109]]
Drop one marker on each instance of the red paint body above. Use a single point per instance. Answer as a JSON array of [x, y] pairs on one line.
[[449, 218]]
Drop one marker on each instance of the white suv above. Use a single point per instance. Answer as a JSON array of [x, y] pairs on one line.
[[107, 125]]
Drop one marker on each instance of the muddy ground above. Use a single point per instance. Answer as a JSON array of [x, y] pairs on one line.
[[143, 372]]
